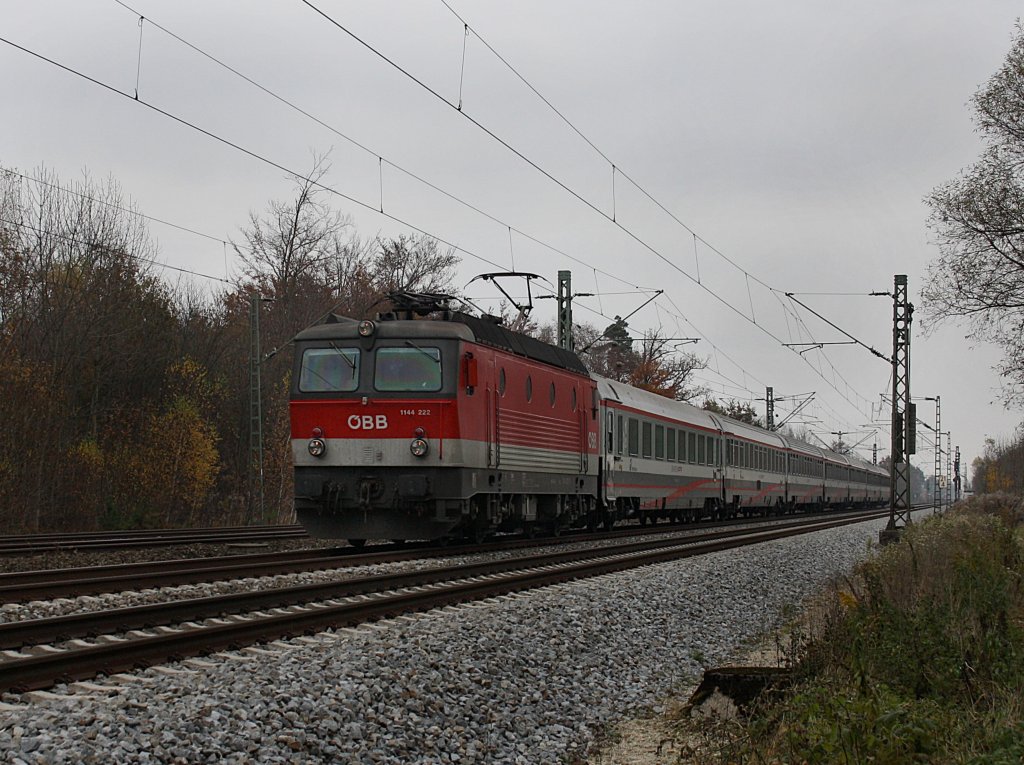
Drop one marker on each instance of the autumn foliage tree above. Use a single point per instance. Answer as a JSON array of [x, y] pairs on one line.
[[124, 398], [94, 328], [1000, 466], [652, 362]]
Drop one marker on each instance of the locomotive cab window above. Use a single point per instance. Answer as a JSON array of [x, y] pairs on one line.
[[407, 369], [329, 369]]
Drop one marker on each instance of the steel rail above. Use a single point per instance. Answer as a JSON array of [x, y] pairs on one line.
[[502, 577], [92, 580]]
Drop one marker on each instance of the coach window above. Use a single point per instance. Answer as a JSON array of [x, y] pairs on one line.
[[529, 388], [329, 369], [501, 381], [681, 450], [647, 439], [691, 447], [634, 437], [670, 444], [618, 435], [572, 398], [552, 396], [700, 449], [659, 442]]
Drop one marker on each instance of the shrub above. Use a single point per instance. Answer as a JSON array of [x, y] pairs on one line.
[[922, 660]]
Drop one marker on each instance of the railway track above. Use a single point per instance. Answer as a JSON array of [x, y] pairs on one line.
[[28, 544], [40, 653], [95, 580]]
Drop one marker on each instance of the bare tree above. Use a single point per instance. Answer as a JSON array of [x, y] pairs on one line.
[[978, 221], [413, 263], [294, 242]]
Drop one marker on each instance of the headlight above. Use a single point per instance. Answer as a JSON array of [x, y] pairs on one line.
[[419, 447], [317, 447], [366, 328]]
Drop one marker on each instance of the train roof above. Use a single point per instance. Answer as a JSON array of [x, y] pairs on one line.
[[489, 333], [660, 406], [751, 432], [459, 326]]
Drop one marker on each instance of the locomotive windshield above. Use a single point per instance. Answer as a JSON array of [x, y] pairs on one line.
[[408, 369], [329, 369]]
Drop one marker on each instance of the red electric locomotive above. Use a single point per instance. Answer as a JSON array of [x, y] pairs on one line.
[[404, 428], [407, 428]]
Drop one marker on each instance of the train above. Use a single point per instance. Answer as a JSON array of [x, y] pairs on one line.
[[431, 423]]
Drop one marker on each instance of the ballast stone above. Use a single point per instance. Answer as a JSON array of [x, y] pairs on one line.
[[559, 665]]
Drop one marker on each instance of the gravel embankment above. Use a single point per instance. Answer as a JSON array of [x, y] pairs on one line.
[[527, 679]]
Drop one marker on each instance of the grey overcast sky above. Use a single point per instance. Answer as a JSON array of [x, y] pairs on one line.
[[796, 138]]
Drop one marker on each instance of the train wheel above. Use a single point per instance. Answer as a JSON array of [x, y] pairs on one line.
[[357, 542]]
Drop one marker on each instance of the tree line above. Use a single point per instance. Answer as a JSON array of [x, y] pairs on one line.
[[125, 398], [1000, 466]]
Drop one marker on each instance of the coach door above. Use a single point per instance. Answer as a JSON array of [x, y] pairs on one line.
[[608, 450]]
